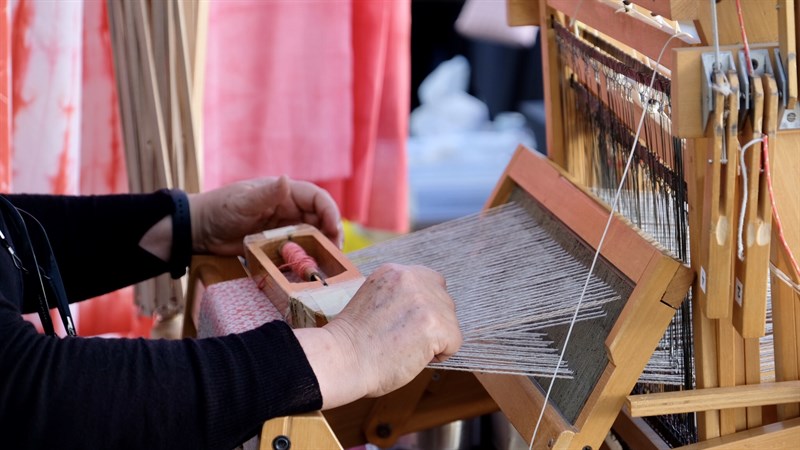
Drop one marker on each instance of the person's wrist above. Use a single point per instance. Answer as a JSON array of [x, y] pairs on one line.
[[181, 249], [340, 382], [196, 211], [345, 337]]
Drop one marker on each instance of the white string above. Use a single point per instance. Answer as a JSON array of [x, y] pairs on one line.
[[575, 14], [602, 239], [781, 275], [715, 29], [743, 166]]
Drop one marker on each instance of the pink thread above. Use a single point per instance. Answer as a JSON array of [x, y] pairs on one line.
[[744, 39], [298, 260]]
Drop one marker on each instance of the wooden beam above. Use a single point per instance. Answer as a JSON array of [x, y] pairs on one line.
[[624, 28], [709, 399], [671, 9], [781, 435]]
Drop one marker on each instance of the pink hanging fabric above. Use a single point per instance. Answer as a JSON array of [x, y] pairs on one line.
[[278, 91], [65, 133], [321, 95], [376, 195]]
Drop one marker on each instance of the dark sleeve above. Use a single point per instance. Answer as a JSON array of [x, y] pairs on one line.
[[96, 238], [121, 393]]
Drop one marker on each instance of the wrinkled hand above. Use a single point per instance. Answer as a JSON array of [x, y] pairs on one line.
[[399, 321], [221, 218]]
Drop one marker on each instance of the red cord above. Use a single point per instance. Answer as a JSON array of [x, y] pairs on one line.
[[775, 214], [744, 38]]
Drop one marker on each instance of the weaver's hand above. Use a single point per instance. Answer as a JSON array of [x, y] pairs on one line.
[[221, 218], [399, 321]]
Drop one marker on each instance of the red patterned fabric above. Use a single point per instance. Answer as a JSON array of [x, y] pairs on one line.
[[234, 306], [65, 135]]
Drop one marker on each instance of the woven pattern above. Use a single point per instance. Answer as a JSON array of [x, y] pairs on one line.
[[234, 306]]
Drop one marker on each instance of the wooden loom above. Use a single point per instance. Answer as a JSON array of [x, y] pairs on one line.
[[657, 284], [737, 406]]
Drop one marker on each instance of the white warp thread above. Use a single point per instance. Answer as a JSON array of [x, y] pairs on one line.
[[510, 281]]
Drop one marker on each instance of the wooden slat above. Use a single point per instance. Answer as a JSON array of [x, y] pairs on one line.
[[187, 157], [671, 9], [716, 232], [152, 125], [752, 361], [552, 75], [623, 28], [781, 435], [750, 300], [703, 328], [198, 71], [117, 25], [787, 37], [713, 398]]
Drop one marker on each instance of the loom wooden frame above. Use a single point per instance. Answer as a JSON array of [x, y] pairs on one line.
[[661, 283]]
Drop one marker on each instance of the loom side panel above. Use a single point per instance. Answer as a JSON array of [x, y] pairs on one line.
[[643, 320], [630, 343], [636, 330]]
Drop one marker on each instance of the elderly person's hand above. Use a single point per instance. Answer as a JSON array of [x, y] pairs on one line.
[[222, 217], [399, 321]]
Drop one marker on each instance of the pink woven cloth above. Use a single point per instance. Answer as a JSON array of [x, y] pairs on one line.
[[234, 306]]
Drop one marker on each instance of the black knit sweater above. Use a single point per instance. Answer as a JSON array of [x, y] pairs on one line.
[[129, 393]]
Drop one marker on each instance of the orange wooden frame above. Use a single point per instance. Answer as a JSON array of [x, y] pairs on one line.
[[661, 283]]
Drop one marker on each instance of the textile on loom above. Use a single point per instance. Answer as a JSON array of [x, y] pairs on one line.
[[234, 306], [321, 94]]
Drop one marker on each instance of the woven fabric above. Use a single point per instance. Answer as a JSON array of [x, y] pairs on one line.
[[234, 306]]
